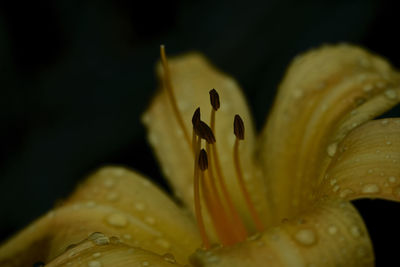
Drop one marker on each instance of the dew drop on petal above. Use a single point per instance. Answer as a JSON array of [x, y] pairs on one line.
[[396, 191], [391, 94], [392, 179], [332, 230], [150, 220], [168, 257], [306, 237], [370, 189], [355, 231], [117, 220], [163, 243], [331, 150], [336, 188], [112, 196], [94, 264], [96, 254], [384, 122], [345, 192]]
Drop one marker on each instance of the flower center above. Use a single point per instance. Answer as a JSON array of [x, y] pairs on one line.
[[209, 181]]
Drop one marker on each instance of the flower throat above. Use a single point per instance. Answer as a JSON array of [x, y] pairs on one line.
[[209, 181]]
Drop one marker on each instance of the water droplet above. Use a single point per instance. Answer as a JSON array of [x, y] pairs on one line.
[[117, 220], [364, 62], [392, 179], [163, 243], [391, 94], [336, 188], [370, 189], [95, 235], [168, 257], [332, 230], [139, 206], [94, 264], [109, 183], [145, 263], [90, 204], [396, 191], [112, 196], [114, 240], [96, 254], [306, 237], [380, 84], [345, 193], [388, 142], [384, 122], [255, 236], [355, 231], [368, 87], [127, 236], [150, 220], [298, 93], [333, 181], [331, 150]]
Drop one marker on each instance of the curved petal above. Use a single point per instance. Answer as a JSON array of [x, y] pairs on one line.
[[325, 93], [330, 234], [114, 201], [192, 78], [111, 253], [367, 163]]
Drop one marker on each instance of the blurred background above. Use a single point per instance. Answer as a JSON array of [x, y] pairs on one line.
[[76, 76]]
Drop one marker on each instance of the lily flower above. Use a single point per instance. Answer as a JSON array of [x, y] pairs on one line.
[[279, 199]]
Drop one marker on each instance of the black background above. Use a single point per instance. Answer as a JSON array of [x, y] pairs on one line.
[[76, 76]]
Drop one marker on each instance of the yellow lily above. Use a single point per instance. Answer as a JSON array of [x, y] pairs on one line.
[[279, 200]]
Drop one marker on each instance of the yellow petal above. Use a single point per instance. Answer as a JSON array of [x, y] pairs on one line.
[[192, 78], [330, 234], [113, 253], [116, 202], [367, 163], [325, 93]]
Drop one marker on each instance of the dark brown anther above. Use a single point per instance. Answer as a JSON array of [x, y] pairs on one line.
[[214, 99], [196, 117], [204, 131], [203, 160], [238, 127]]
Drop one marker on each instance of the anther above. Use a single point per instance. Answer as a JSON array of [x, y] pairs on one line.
[[196, 117], [214, 99], [203, 160], [238, 127], [204, 132]]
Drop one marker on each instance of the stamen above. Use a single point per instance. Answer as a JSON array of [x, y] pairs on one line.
[[204, 131], [170, 93], [234, 227], [238, 227], [214, 99], [203, 160], [196, 116], [197, 202], [213, 202], [238, 127], [195, 120]]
